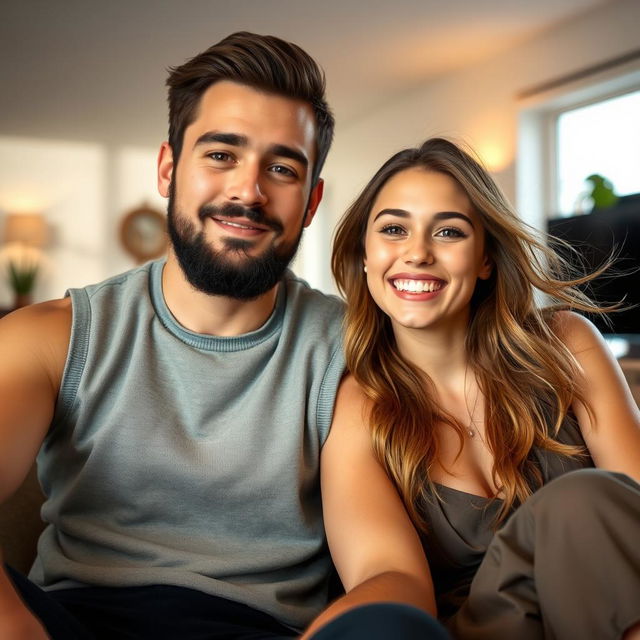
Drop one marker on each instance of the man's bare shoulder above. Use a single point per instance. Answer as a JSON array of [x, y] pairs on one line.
[[53, 315], [38, 335]]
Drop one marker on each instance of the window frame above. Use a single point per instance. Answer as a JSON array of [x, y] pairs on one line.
[[537, 159], [552, 192]]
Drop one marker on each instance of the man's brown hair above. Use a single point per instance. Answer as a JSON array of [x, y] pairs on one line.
[[265, 63]]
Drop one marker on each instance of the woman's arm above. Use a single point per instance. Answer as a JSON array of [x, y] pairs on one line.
[[613, 435], [373, 543]]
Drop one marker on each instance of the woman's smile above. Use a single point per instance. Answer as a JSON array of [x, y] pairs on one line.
[[424, 249]]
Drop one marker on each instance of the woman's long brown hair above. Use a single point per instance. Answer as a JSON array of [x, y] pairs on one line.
[[526, 374]]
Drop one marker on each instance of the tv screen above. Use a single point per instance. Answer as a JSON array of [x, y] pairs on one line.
[[596, 235]]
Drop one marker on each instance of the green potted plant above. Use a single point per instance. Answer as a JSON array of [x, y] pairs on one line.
[[22, 264]]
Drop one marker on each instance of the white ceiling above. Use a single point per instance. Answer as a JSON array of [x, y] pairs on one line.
[[95, 69]]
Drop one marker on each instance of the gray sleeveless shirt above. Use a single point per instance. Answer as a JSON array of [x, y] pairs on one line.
[[187, 459]]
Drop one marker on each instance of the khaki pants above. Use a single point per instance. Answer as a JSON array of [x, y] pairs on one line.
[[566, 565]]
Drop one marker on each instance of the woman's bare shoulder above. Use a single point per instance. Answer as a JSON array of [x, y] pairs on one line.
[[352, 405], [351, 393], [575, 331]]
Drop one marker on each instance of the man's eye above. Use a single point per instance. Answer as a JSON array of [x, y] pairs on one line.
[[393, 230], [219, 156], [282, 170]]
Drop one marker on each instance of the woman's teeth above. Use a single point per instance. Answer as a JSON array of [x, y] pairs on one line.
[[417, 286]]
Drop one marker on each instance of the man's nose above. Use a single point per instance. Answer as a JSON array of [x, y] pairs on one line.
[[244, 185]]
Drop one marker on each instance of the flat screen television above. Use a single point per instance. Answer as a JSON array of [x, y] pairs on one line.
[[595, 236]]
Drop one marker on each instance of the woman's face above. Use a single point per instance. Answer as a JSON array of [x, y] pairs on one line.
[[425, 250]]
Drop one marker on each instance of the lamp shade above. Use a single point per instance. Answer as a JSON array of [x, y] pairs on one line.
[[25, 228]]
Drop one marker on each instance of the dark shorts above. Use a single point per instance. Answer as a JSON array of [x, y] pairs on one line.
[[159, 612], [175, 613]]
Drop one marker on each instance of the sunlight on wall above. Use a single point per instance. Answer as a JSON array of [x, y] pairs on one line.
[[312, 260]]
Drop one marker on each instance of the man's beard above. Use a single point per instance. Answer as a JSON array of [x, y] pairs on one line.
[[213, 272]]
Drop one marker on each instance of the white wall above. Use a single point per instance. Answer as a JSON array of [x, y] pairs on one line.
[[85, 189], [477, 105], [66, 183], [82, 190]]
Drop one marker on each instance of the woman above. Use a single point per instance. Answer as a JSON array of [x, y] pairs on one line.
[[479, 404]]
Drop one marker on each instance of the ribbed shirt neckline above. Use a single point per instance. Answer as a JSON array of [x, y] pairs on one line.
[[209, 342]]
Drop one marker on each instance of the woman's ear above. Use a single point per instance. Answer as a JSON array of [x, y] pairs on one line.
[[486, 269]]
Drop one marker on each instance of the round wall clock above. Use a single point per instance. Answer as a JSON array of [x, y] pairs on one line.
[[143, 233]]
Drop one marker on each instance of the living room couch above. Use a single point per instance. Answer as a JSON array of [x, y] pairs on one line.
[[20, 524]]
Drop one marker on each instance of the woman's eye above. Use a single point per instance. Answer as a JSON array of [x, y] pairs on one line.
[[451, 232], [393, 230]]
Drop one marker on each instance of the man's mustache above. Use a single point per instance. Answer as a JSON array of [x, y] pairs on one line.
[[232, 210]]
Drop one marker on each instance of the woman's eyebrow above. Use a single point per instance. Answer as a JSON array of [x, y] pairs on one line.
[[441, 215], [400, 213], [446, 215]]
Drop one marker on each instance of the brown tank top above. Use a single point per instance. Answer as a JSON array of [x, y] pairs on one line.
[[460, 525]]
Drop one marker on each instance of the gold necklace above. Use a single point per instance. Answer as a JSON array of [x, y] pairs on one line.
[[471, 432]]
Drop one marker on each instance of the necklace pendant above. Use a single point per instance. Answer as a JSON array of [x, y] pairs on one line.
[[471, 433]]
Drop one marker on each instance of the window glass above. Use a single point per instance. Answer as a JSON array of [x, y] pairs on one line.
[[602, 138]]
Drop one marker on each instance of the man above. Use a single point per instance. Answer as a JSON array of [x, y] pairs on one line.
[[179, 409]]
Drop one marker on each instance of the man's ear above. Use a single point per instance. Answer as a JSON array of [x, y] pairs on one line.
[[165, 169], [314, 200]]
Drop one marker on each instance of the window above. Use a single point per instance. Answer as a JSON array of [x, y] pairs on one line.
[[600, 138], [567, 132]]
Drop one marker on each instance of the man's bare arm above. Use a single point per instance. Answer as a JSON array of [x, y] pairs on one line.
[[33, 348]]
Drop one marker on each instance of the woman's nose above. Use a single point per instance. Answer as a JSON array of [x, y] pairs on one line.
[[419, 252]]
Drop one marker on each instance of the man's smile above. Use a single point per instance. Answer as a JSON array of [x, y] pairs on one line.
[[243, 227]]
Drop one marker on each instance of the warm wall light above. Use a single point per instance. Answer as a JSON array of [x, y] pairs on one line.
[[25, 228], [495, 157], [20, 202]]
